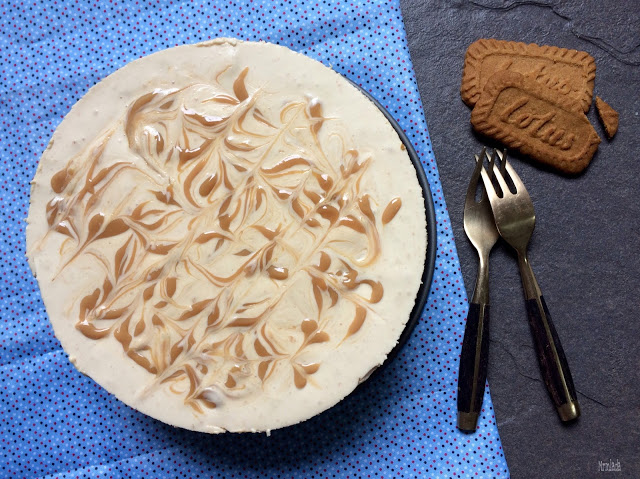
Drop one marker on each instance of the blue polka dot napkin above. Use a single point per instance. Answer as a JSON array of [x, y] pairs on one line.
[[55, 422]]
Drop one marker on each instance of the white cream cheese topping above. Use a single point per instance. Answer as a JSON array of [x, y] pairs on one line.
[[227, 236]]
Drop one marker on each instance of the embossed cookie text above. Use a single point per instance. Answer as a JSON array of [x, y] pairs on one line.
[[537, 124], [529, 117]]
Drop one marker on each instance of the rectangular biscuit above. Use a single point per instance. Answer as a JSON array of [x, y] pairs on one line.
[[570, 73], [527, 116]]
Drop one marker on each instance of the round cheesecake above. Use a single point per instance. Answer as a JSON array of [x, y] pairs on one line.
[[228, 236]]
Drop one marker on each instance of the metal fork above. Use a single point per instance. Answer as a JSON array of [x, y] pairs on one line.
[[515, 219], [482, 232]]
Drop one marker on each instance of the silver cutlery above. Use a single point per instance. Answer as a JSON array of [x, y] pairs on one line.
[[481, 231], [515, 220]]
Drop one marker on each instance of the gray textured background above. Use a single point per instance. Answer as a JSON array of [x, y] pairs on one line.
[[585, 249]]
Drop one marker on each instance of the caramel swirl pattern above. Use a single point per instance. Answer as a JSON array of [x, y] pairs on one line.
[[241, 211]]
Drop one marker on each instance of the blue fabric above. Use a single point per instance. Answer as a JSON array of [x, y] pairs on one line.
[[55, 422]]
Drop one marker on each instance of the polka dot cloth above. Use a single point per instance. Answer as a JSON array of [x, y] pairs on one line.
[[56, 422]]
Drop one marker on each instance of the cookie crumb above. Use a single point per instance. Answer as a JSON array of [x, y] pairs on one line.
[[608, 116]]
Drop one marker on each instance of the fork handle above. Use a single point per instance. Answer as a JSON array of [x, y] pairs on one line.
[[553, 362], [473, 366]]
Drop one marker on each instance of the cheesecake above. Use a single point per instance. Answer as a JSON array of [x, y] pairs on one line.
[[227, 236]]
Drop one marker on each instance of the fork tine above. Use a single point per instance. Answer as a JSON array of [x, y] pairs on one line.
[[492, 163], [517, 182], [503, 160], [501, 181], [488, 186], [479, 161], [475, 176]]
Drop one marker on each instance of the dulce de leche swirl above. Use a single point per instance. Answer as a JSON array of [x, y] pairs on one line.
[[250, 245]]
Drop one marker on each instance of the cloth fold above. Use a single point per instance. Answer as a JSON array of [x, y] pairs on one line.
[[55, 422]]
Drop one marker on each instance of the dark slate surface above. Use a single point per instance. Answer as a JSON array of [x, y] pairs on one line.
[[585, 250]]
